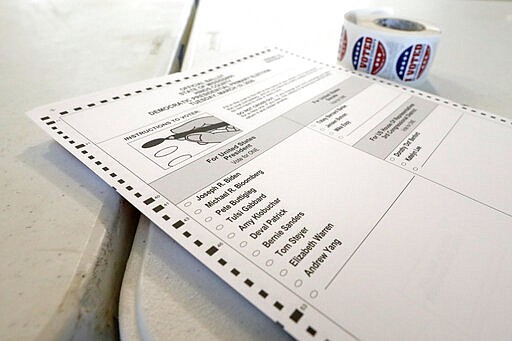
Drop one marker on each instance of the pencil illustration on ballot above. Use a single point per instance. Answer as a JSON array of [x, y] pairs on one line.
[[186, 140], [202, 130]]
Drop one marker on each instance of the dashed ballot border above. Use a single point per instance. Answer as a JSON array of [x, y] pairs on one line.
[[151, 203], [145, 89], [155, 206], [429, 96]]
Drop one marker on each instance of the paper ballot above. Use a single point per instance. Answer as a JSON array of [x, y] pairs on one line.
[[342, 206]]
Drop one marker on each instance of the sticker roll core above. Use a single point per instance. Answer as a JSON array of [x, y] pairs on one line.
[[376, 42]]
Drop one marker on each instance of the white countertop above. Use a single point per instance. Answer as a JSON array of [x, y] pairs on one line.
[[64, 233], [166, 293]]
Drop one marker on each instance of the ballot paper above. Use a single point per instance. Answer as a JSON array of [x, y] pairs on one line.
[[341, 205]]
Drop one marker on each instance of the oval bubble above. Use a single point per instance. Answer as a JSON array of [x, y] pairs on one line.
[[166, 151], [179, 159]]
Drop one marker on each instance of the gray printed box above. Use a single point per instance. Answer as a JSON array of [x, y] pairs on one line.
[[389, 133]]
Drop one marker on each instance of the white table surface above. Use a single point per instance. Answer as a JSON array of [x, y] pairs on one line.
[[166, 293], [64, 234]]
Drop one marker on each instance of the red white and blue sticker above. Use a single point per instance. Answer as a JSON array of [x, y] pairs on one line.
[[369, 55], [343, 44], [412, 62]]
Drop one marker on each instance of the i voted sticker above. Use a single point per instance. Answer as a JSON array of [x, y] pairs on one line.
[[343, 44], [369, 55], [412, 62]]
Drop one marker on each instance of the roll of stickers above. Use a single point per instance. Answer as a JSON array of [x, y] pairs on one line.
[[376, 42]]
